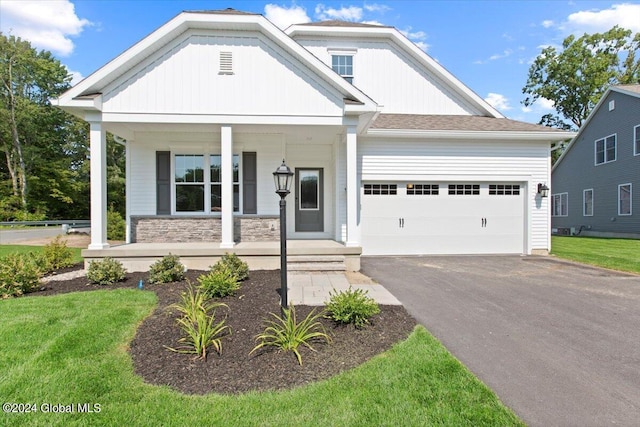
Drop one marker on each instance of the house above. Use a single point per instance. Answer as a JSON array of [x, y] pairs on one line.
[[392, 154], [596, 181]]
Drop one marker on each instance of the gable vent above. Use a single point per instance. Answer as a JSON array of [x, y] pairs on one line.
[[226, 63]]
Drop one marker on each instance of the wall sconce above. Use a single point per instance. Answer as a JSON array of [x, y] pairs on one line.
[[543, 190]]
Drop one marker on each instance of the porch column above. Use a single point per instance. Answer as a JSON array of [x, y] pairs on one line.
[[226, 154], [352, 187], [98, 180]]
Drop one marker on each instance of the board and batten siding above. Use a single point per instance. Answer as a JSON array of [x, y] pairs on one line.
[[577, 170], [470, 161], [183, 78], [391, 77]]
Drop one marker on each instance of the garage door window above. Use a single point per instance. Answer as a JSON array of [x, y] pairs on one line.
[[464, 189], [423, 189], [504, 190], [380, 189]]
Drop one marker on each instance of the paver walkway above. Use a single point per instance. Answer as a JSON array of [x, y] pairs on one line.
[[306, 288]]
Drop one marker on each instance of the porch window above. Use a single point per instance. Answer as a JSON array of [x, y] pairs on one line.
[[216, 182], [189, 180]]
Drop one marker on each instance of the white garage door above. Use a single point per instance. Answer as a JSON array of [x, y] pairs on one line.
[[442, 218]]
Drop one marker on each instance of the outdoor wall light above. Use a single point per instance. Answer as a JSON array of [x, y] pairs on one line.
[[543, 190]]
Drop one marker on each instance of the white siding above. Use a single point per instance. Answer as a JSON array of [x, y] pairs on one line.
[[465, 161], [392, 78], [183, 78], [143, 178]]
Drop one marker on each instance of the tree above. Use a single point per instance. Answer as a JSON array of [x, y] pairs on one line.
[[575, 78]]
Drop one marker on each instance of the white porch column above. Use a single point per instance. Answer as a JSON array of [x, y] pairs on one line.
[[98, 165], [226, 154], [352, 188]]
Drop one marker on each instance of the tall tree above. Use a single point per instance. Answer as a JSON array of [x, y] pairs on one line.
[[575, 77]]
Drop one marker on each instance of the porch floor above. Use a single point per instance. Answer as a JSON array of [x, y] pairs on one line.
[[201, 255]]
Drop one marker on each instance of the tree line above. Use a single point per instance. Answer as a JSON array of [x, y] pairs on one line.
[[44, 171]]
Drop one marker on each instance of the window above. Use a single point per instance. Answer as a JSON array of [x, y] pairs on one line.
[[504, 190], [216, 182], [380, 189], [624, 199], [560, 204], [636, 141], [193, 186], [423, 189], [464, 189], [606, 150], [587, 202], [343, 65]]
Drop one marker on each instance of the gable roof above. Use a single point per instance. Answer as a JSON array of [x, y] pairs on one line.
[[632, 90], [85, 95], [351, 29]]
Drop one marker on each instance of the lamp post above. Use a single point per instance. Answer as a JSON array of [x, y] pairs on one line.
[[282, 179]]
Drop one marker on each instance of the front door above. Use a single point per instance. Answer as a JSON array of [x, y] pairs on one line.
[[309, 199]]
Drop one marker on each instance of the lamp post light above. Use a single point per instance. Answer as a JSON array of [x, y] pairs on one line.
[[282, 179]]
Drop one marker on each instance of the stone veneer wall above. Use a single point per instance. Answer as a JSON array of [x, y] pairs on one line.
[[172, 229]]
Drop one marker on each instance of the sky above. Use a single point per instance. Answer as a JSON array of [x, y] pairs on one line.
[[488, 45]]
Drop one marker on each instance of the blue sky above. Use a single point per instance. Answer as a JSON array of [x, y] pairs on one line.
[[488, 45]]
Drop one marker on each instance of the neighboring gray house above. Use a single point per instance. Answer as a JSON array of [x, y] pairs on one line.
[[596, 181]]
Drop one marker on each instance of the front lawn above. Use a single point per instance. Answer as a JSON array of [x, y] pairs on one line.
[[71, 349], [617, 254], [9, 249]]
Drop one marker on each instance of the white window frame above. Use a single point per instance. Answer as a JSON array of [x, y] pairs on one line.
[[584, 202], [175, 184], [346, 53], [604, 141], [557, 200], [636, 140], [630, 199]]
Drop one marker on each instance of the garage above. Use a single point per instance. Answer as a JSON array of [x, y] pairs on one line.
[[411, 218]]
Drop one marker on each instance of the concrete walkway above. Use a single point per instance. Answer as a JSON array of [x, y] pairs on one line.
[[306, 288]]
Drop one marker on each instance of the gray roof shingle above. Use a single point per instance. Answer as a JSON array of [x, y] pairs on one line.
[[455, 123]]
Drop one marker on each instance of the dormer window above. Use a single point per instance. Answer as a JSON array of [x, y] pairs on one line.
[[343, 65]]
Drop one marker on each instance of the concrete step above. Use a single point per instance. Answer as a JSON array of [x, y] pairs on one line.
[[316, 263]]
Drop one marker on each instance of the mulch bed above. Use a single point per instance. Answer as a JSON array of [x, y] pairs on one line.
[[235, 371]]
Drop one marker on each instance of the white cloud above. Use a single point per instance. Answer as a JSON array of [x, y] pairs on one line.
[[547, 23], [46, 24], [498, 101], [381, 8], [76, 76], [626, 15], [374, 22], [541, 106], [417, 37], [282, 17], [351, 13]]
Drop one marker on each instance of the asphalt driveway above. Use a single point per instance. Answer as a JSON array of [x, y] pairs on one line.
[[558, 342]]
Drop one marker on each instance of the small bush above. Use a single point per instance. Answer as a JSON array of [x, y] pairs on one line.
[[198, 324], [352, 306], [19, 274], [287, 334], [233, 263], [116, 225], [166, 270], [219, 283], [106, 272], [57, 255]]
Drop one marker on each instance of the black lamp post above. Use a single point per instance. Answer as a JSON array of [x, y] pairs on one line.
[[282, 179]]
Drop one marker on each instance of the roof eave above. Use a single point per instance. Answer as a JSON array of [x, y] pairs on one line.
[[468, 134]]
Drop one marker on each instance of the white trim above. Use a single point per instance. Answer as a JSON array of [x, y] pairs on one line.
[[98, 179], [318, 189], [222, 119], [353, 188], [584, 202], [630, 199], [604, 148], [636, 140], [226, 170], [464, 134]]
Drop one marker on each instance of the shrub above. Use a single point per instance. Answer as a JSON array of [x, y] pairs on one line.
[[116, 225], [352, 306], [166, 270], [287, 334], [219, 282], [19, 274], [106, 272], [232, 262], [57, 255], [198, 324]]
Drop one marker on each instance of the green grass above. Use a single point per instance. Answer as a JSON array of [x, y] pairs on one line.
[[617, 254], [71, 348], [8, 249]]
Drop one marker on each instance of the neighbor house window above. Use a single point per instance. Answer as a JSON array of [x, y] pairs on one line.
[[343, 65], [636, 141], [216, 182], [587, 202], [189, 181], [606, 150], [624, 199], [560, 204]]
